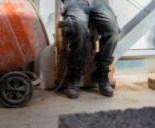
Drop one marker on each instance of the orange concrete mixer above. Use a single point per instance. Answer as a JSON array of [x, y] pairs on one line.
[[22, 38]]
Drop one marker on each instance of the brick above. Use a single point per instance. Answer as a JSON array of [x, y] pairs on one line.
[[151, 82]]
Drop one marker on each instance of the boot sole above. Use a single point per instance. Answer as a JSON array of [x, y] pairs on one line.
[[108, 94], [70, 96]]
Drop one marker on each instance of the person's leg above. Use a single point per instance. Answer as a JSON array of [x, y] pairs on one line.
[[76, 31], [105, 21]]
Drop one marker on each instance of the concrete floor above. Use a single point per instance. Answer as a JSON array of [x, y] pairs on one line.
[[44, 109]]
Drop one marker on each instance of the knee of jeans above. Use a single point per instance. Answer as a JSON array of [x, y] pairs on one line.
[[75, 26], [114, 31], [113, 34], [81, 28]]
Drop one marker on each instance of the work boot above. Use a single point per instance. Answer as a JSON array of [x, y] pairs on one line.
[[73, 90], [105, 88], [103, 82]]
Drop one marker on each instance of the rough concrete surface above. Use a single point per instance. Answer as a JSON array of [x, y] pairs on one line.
[[130, 118], [45, 107]]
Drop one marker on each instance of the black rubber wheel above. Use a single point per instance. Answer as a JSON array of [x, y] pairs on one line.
[[16, 90]]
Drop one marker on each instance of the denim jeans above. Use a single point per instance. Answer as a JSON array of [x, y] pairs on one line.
[[78, 14]]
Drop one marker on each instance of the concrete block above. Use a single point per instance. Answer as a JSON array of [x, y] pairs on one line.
[[131, 118], [151, 82]]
